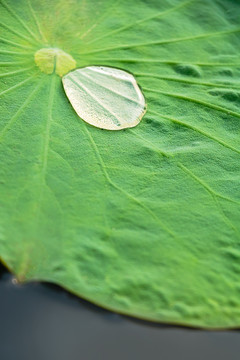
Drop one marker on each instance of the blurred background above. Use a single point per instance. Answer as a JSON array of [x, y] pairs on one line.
[[43, 322]]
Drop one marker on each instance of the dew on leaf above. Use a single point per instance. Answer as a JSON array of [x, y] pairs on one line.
[[105, 97], [14, 281]]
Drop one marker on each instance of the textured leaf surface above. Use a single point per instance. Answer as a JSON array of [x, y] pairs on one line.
[[143, 221]]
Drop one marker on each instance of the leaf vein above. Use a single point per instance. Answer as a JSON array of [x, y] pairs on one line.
[[16, 115], [160, 14], [127, 194], [204, 133], [197, 101], [162, 42], [19, 20]]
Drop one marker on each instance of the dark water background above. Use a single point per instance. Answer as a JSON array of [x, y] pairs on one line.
[[43, 322]]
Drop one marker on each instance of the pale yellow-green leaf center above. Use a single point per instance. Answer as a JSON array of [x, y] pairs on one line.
[[51, 60]]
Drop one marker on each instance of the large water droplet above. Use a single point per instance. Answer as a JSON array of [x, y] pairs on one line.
[[105, 97]]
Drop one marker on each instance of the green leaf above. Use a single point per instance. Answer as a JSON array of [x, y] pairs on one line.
[[143, 221]]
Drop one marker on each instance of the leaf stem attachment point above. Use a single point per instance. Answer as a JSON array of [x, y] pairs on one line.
[[51, 60]]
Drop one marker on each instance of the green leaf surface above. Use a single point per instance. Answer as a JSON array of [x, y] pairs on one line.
[[143, 221]]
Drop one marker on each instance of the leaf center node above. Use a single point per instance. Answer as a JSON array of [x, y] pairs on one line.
[[51, 60]]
